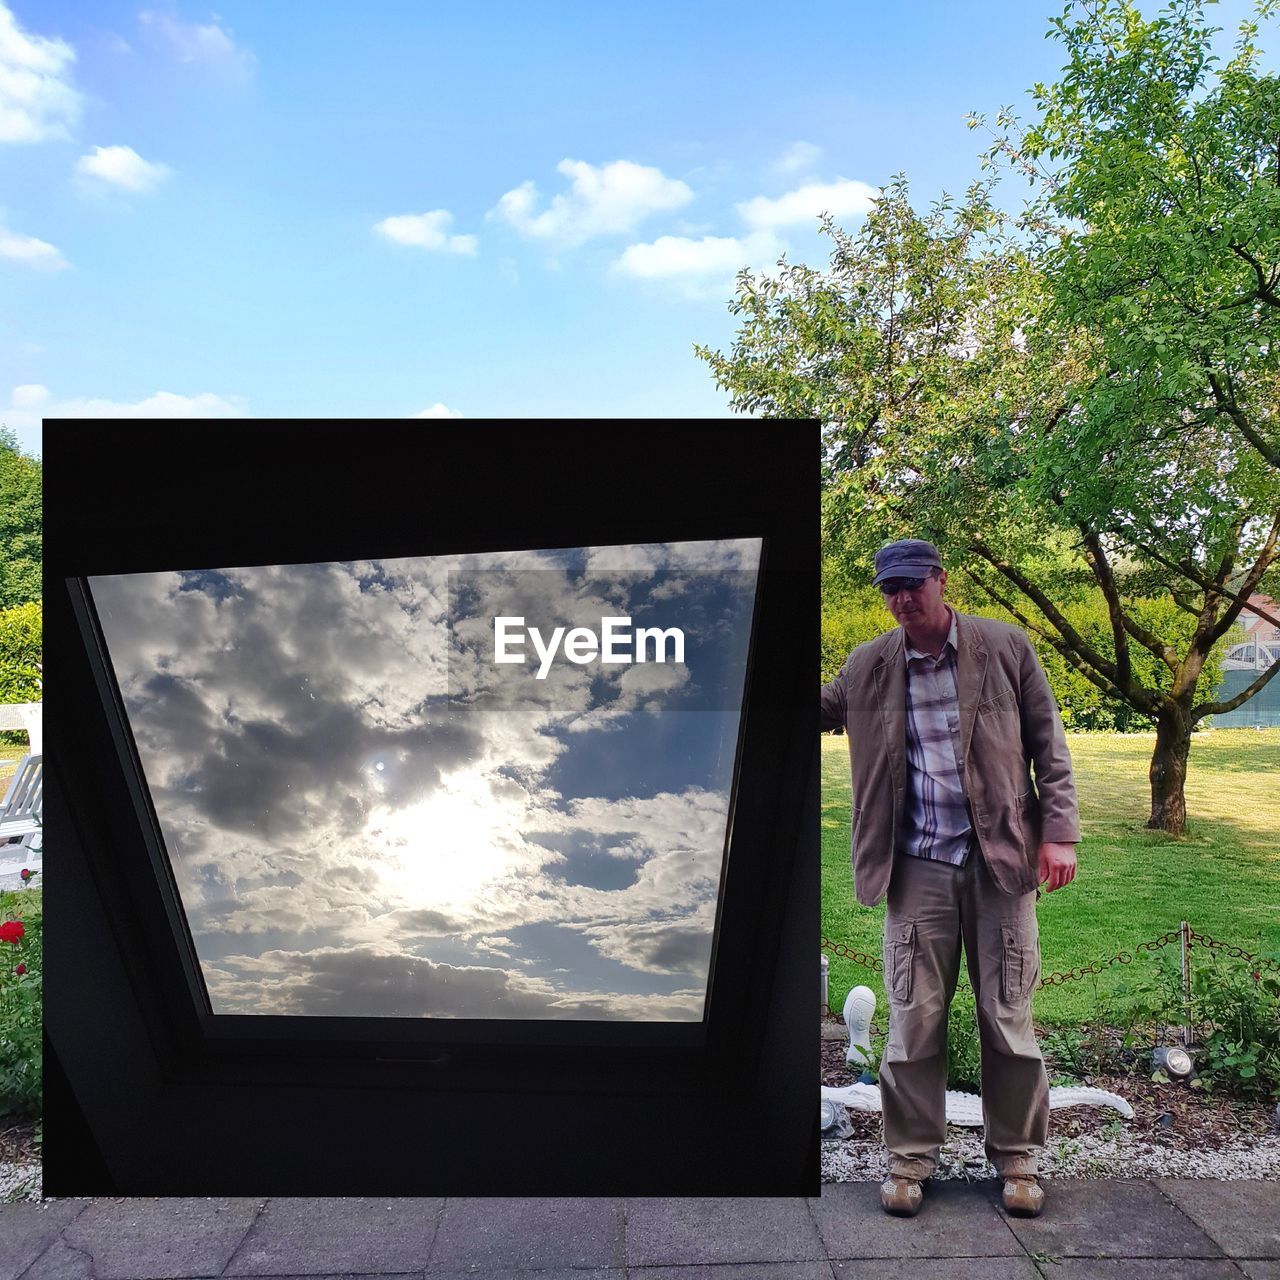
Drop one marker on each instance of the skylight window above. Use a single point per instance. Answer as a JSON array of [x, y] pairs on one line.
[[491, 786]]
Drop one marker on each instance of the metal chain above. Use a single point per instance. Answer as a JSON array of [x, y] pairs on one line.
[[1071, 975], [1236, 953]]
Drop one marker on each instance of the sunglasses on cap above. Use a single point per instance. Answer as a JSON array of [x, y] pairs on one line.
[[891, 586]]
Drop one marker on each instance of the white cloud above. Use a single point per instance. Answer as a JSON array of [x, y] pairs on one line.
[[604, 200], [121, 167], [438, 410], [425, 231], [797, 158], [37, 101], [30, 395], [30, 252], [207, 44], [846, 197], [163, 404], [669, 256], [31, 402]]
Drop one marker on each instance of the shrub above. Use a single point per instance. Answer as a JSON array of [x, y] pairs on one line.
[[20, 641], [1237, 1020], [21, 987], [964, 1049]]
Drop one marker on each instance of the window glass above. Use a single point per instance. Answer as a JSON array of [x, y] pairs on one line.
[[394, 789]]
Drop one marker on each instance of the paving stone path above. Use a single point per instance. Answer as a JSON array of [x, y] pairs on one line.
[[1092, 1230]]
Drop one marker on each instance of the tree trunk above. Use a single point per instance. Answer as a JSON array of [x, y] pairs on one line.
[[1169, 769]]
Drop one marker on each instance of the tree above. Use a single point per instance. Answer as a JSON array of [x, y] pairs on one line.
[[925, 349], [1157, 195], [20, 524], [1156, 216]]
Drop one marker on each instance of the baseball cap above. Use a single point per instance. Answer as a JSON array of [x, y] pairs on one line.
[[910, 558]]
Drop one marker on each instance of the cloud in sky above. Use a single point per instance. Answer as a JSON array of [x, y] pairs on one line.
[[438, 410], [30, 252], [426, 231], [681, 256], [799, 157], [608, 199], [31, 402], [210, 45], [37, 100], [366, 815], [121, 167], [843, 198]]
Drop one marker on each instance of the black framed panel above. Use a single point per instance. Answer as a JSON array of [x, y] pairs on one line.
[[181, 1101]]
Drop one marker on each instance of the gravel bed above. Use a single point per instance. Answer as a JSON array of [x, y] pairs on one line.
[[19, 1182], [1176, 1132], [1090, 1156]]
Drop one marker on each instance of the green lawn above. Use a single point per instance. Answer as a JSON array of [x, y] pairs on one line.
[[1133, 884], [9, 757]]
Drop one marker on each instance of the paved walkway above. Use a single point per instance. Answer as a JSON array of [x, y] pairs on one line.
[[1128, 1230]]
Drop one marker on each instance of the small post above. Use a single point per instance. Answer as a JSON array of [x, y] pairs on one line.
[[825, 966], [1185, 932]]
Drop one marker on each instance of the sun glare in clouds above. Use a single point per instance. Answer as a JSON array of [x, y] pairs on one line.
[[444, 851]]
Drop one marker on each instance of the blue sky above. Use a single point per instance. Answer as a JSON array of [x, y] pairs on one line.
[[409, 209]]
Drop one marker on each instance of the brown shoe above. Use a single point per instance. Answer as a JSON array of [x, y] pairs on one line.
[[1023, 1195], [902, 1196]]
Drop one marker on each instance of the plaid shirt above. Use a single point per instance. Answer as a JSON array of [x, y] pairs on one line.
[[937, 820]]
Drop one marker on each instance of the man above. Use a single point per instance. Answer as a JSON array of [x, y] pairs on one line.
[[945, 716]]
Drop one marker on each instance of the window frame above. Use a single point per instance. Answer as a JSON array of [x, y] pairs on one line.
[[118, 976]]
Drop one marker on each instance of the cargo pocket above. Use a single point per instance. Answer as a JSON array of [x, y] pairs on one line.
[[899, 954], [1020, 962]]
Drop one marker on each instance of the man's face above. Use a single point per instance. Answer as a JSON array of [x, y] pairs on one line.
[[916, 607]]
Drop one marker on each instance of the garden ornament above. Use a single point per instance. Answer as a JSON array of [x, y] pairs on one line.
[[964, 1109]]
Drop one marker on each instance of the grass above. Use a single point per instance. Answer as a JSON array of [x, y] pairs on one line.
[[1223, 876], [9, 757]]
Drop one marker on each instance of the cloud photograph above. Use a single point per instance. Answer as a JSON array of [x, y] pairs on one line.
[[368, 815]]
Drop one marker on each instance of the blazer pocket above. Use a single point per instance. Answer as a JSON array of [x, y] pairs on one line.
[[1019, 962], [899, 957], [1002, 704]]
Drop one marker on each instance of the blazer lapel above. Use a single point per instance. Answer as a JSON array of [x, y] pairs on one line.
[[891, 692], [971, 671]]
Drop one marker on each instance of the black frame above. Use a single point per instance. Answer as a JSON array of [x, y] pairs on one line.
[[118, 982]]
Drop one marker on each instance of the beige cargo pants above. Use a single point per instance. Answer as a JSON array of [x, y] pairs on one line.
[[931, 907]]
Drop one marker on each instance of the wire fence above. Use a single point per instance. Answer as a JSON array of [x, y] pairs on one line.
[[1186, 935]]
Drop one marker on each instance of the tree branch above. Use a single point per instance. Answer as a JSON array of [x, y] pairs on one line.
[[1227, 405], [1221, 708], [1251, 580], [1101, 566], [1192, 574], [1143, 701], [1046, 606], [1266, 288]]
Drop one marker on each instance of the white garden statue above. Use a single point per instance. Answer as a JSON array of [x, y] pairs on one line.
[[962, 1108]]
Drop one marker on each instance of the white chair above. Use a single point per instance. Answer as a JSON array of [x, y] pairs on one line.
[[22, 809]]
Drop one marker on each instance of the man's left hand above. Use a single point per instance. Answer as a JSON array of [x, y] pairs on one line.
[[1057, 865]]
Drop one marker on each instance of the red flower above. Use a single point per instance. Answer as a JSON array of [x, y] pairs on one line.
[[12, 931], [20, 970], [27, 873], [1257, 975]]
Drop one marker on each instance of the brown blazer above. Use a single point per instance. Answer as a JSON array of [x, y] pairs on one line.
[[1009, 722]]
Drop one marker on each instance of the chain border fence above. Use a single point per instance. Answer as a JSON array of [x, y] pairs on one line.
[[1123, 957]]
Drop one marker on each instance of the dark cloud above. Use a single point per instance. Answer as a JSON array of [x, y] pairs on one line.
[[263, 777]]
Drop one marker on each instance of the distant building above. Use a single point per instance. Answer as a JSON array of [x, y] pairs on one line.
[[1241, 665], [1262, 646]]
